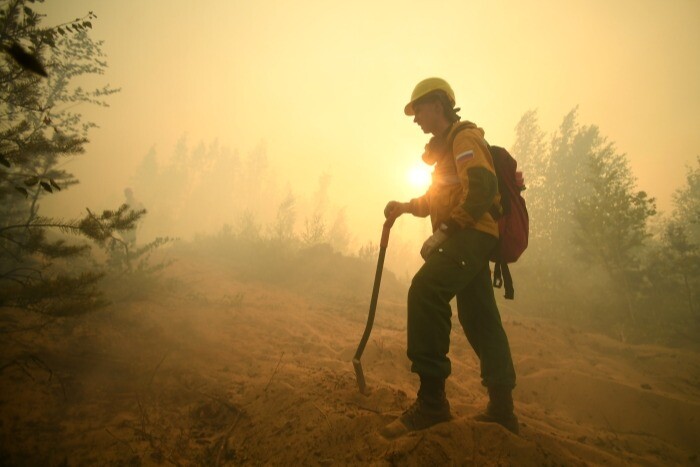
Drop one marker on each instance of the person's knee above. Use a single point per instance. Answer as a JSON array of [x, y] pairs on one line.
[[420, 293]]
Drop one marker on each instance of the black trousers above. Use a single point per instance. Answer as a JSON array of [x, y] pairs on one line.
[[459, 267]]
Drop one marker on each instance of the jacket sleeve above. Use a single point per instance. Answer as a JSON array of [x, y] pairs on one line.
[[478, 177], [420, 207]]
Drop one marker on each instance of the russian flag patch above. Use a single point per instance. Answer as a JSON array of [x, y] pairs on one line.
[[466, 155]]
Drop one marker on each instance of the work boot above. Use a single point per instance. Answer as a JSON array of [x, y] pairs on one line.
[[500, 409], [431, 407]]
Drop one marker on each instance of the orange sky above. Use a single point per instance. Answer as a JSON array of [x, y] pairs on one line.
[[323, 84]]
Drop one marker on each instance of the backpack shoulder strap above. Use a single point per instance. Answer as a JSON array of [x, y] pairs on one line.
[[460, 127]]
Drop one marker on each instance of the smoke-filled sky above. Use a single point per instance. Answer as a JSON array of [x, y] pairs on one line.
[[323, 84]]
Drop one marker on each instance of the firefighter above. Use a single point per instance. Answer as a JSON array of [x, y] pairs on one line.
[[463, 203]]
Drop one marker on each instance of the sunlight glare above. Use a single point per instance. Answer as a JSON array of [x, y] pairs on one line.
[[419, 176]]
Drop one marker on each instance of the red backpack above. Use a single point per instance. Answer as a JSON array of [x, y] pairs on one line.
[[514, 224]]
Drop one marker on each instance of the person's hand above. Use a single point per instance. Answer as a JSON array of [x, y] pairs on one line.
[[432, 243], [395, 209]]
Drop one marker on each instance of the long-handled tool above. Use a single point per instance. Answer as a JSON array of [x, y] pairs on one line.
[[383, 243]]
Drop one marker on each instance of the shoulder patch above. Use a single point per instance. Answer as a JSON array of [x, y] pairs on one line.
[[466, 155]]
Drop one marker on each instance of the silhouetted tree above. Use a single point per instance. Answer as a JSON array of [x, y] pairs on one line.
[[673, 264], [686, 203], [683, 259], [339, 235], [38, 130], [554, 176], [283, 226], [315, 229], [248, 227], [530, 151], [611, 219]]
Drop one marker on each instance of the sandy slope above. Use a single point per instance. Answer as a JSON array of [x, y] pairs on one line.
[[224, 371]]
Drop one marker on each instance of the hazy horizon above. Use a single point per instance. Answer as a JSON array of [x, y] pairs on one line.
[[322, 86]]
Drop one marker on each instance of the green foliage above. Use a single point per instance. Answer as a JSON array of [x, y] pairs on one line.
[[682, 258], [29, 276], [130, 271], [314, 229], [291, 264], [130, 258], [531, 150], [611, 220], [199, 189], [39, 130], [555, 176], [686, 203], [202, 188], [59, 295], [592, 256], [339, 233], [563, 182], [368, 252], [282, 229], [39, 127], [673, 262], [248, 228]]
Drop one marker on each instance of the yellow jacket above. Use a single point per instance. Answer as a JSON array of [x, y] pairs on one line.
[[464, 191]]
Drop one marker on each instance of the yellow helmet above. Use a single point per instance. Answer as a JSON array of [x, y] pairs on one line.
[[427, 86]]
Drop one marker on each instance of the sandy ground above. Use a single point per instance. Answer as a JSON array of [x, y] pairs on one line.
[[219, 371]]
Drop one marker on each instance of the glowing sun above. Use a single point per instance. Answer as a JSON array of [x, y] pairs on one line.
[[419, 176]]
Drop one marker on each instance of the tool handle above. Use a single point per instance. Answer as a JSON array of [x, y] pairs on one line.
[[372, 304], [384, 242], [388, 223]]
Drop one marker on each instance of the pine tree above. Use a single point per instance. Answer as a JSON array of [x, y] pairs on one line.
[[674, 264], [315, 229], [686, 204], [38, 130], [530, 149], [283, 226], [611, 219], [554, 176]]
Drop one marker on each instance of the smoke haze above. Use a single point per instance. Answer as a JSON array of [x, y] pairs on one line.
[[322, 86], [264, 140]]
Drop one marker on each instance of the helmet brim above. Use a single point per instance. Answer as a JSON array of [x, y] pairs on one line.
[[408, 110]]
